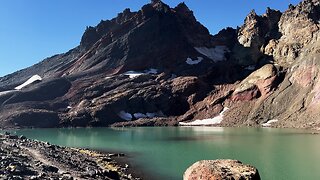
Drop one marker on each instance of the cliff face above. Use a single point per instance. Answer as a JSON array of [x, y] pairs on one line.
[[160, 66], [294, 52]]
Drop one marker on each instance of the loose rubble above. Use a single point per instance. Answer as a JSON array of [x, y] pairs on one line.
[[22, 158]]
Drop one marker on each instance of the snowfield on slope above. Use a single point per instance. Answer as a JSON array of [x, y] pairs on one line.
[[124, 115], [31, 80], [7, 92], [193, 62], [210, 121], [269, 123], [133, 74], [216, 54], [128, 117]]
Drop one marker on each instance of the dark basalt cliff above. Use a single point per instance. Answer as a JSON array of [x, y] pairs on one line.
[[160, 66]]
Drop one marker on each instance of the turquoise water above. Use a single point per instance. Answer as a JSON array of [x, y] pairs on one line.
[[279, 154]]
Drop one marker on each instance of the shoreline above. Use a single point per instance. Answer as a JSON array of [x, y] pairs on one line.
[[31, 159], [103, 162], [125, 159], [132, 124], [313, 130]]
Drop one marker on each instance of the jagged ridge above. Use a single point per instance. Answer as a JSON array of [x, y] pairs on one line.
[[265, 70]]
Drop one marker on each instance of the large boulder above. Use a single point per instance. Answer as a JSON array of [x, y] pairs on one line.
[[221, 169]]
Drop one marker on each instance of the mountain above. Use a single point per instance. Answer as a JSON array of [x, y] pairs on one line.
[[160, 66]]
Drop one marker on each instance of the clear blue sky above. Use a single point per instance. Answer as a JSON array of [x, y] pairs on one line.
[[31, 30]]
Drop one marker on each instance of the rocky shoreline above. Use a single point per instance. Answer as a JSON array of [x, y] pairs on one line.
[[23, 158]]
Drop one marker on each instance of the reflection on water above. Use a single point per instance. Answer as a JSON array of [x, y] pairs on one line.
[[167, 152], [189, 138], [203, 129]]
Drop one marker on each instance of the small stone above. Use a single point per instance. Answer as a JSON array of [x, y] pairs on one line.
[[48, 168], [107, 159], [112, 174], [22, 137], [13, 137]]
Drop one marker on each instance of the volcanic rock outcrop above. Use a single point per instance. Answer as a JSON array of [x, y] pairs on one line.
[[160, 66]]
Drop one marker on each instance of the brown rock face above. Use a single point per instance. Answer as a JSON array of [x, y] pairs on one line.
[[254, 34], [259, 83], [220, 170], [90, 86], [299, 27], [266, 69]]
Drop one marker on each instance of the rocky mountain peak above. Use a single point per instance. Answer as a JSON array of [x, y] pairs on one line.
[[251, 16], [255, 33], [155, 1], [311, 8], [159, 6], [155, 7], [161, 62], [124, 16], [184, 10], [182, 7], [93, 34], [299, 27], [271, 13]]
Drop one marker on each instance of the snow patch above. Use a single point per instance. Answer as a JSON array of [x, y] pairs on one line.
[[7, 92], [193, 62], [139, 115], [148, 115], [133, 74], [151, 71], [172, 76], [128, 117], [151, 115], [269, 123], [29, 81], [124, 115], [156, 114], [216, 54], [250, 68], [210, 121], [205, 129]]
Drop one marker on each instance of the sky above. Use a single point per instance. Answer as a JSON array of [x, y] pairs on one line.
[[31, 30]]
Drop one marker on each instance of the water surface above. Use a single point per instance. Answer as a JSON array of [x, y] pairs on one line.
[[167, 152]]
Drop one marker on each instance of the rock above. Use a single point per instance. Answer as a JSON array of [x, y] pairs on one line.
[[299, 28], [112, 174], [90, 86], [30, 159], [254, 33], [221, 169], [258, 83], [22, 137], [13, 137], [48, 168]]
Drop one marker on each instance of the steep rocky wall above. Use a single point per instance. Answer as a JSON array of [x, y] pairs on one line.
[[160, 66]]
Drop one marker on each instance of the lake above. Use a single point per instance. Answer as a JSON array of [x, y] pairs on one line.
[[166, 152]]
